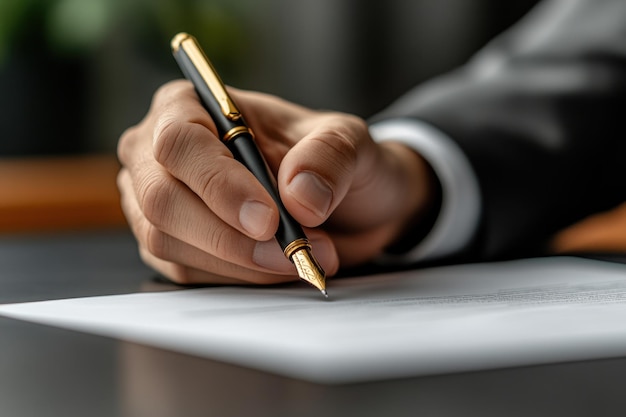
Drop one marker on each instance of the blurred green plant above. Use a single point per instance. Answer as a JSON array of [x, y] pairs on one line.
[[80, 26]]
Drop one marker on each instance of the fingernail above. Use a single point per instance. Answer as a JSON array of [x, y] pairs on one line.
[[269, 255], [312, 192], [255, 217]]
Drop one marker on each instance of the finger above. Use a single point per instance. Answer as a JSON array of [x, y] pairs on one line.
[[184, 274], [191, 274], [271, 264], [183, 263], [175, 256], [317, 173], [182, 229], [189, 265], [186, 146]]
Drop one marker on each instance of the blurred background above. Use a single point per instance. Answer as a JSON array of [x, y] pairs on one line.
[[75, 73]]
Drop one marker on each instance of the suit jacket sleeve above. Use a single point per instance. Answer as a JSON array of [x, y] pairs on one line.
[[539, 114]]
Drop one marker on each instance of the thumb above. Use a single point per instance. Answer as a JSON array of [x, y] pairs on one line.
[[315, 175]]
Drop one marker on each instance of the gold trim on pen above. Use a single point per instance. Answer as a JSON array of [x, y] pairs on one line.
[[295, 245], [190, 45], [236, 131]]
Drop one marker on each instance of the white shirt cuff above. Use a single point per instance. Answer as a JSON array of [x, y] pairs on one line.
[[461, 201]]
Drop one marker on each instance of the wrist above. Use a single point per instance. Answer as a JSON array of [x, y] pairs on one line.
[[458, 217], [423, 197]]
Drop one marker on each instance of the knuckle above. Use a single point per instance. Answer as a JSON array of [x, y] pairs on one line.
[[125, 144], [163, 92], [156, 196], [212, 185], [169, 138], [173, 132], [176, 141], [156, 242], [349, 130], [343, 144], [178, 86], [121, 180], [339, 152], [348, 140], [339, 135], [356, 122], [219, 241], [170, 90]]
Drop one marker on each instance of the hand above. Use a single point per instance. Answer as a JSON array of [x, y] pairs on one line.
[[199, 216]]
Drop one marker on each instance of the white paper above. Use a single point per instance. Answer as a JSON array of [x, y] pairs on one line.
[[438, 320]]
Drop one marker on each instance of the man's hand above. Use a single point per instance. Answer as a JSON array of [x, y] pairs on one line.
[[199, 216]]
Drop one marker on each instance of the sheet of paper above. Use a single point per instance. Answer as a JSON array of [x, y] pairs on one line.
[[438, 320]]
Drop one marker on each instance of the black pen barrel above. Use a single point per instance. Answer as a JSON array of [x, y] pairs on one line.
[[245, 151]]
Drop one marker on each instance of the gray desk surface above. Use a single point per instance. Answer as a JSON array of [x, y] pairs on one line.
[[49, 372]]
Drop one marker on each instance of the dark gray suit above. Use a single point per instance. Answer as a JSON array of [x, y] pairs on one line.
[[540, 113]]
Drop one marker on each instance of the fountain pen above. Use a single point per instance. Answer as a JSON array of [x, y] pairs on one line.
[[239, 138]]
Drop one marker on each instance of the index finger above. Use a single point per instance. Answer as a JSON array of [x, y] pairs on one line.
[[185, 143]]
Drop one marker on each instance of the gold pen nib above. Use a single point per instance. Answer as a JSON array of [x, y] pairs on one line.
[[308, 268]]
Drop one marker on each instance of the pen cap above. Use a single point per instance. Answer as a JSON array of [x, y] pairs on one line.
[[197, 68]]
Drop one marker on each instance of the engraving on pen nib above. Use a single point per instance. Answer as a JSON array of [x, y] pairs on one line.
[[308, 269]]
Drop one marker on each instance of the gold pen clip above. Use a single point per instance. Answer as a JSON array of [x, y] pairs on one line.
[[190, 45]]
